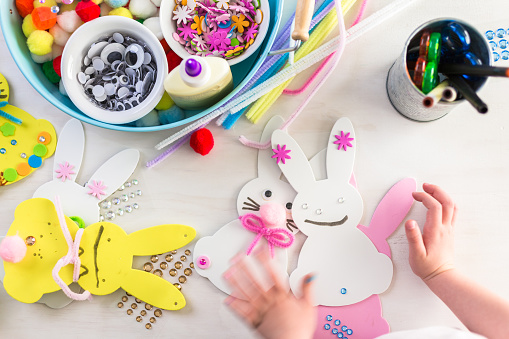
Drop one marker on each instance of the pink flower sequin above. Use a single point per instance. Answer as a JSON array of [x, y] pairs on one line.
[[281, 154], [343, 140], [96, 189], [65, 171]]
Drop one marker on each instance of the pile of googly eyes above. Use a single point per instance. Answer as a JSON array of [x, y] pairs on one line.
[[118, 72]]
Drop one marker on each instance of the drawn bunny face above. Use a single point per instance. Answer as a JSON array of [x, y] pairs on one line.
[[77, 200], [327, 205], [106, 254]]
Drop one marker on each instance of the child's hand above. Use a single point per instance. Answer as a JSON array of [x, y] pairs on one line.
[[432, 252], [275, 313]]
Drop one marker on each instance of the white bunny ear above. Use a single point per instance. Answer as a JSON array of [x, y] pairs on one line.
[[341, 151], [113, 173], [292, 161], [267, 167], [69, 152]]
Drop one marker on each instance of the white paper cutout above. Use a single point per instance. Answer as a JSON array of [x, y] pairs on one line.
[[350, 269], [232, 238]]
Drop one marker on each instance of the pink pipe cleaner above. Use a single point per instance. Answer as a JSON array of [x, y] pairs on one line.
[[326, 61], [72, 257], [275, 236]]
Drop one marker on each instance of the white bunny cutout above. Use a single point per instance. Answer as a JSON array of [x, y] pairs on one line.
[[267, 197], [350, 268], [77, 200]]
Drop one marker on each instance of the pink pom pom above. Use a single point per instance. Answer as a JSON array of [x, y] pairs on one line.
[[13, 249], [273, 214]]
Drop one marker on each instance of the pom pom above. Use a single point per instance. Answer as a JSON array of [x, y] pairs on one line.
[[165, 45], [142, 8], [57, 62], [88, 11], [46, 3], [105, 9], [173, 60], [40, 59], [59, 35], [97, 2], [43, 18], [202, 141], [40, 42], [165, 103], [122, 11], [24, 7], [171, 115], [155, 27], [13, 249], [69, 21], [116, 3], [69, 7], [49, 72], [28, 26], [57, 51], [157, 2], [151, 119], [273, 214]]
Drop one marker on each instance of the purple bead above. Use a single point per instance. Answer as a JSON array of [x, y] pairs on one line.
[[193, 67]]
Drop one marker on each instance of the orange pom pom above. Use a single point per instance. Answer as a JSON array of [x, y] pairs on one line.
[[43, 18], [202, 141], [24, 7]]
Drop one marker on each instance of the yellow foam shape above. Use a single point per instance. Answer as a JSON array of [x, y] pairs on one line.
[[25, 135], [106, 258], [4, 88]]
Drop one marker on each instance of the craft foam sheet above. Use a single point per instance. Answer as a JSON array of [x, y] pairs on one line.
[[35, 139], [328, 212], [106, 257], [78, 200], [217, 251]]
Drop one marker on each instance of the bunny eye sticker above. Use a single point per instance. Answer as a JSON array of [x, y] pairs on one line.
[[281, 154], [343, 141], [266, 194]]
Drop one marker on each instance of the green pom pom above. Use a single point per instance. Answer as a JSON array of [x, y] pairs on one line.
[[50, 73]]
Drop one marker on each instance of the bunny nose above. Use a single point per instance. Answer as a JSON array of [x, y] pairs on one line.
[[273, 214], [13, 249]]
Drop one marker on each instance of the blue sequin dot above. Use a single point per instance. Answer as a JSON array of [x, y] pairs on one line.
[[505, 55], [500, 32], [502, 43], [335, 331], [343, 291], [327, 327], [345, 337], [493, 45], [13, 142], [337, 322], [329, 317], [344, 328], [2, 151], [496, 56], [340, 335], [490, 34], [349, 332], [34, 161]]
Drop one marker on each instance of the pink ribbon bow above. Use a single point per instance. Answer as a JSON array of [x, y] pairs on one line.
[[275, 236]]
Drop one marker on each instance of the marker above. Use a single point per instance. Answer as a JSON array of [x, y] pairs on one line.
[[468, 93], [442, 92], [479, 70]]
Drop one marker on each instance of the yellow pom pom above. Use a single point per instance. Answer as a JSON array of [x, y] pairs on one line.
[[121, 11], [39, 42], [67, 8], [28, 26], [97, 2], [47, 3], [165, 103]]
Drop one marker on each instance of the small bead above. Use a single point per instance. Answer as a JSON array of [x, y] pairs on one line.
[[138, 192], [158, 272], [169, 257], [148, 307], [152, 320], [134, 306], [187, 252], [3, 151], [131, 195], [337, 322], [191, 265], [154, 258], [174, 252], [124, 198], [329, 318], [178, 265], [343, 291], [341, 200], [143, 312], [148, 326], [106, 204], [327, 327], [23, 155], [30, 240], [128, 208], [139, 318], [163, 265], [115, 201], [129, 311], [13, 143], [305, 206], [173, 272], [344, 328], [134, 182], [182, 279], [137, 300], [178, 286], [148, 267], [120, 305], [127, 184], [124, 298], [158, 313], [319, 211], [136, 206], [120, 212], [183, 258], [335, 331], [188, 271]]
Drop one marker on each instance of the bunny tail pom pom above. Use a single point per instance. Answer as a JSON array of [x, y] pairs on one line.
[[202, 141], [13, 249], [273, 214]]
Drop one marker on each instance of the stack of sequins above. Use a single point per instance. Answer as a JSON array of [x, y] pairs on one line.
[[118, 72], [119, 205], [157, 265]]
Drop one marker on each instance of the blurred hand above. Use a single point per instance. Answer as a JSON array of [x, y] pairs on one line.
[[276, 312], [432, 252]]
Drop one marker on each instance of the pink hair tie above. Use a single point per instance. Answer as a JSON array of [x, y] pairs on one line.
[[72, 257], [275, 236]]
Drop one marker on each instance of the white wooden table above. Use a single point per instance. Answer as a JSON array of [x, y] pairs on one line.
[[466, 153]]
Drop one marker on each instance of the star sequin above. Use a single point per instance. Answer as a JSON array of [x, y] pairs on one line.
[[182, 14], [96, 189], [281, 154], [343, 140], [65, 171]]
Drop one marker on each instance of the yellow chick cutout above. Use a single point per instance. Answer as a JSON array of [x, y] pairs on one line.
[[24, 141], [106, 252]]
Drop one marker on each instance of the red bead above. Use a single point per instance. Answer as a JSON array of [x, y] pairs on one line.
[[173, 60], [88, 10], [202, 141], [57, 65]]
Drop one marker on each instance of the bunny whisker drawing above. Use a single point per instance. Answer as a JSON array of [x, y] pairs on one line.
[[251, 205]]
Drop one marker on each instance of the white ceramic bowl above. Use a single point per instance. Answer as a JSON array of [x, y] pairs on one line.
[[79, 44], [168, 26]]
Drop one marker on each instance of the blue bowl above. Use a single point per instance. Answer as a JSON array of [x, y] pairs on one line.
[[11, 21]]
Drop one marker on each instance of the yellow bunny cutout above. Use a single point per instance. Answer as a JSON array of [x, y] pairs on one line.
[[102, 260]]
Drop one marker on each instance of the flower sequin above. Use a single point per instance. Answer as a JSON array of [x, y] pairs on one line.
[[343, 140], [239, 22], [65, 171], [96, 189], [281, 154]]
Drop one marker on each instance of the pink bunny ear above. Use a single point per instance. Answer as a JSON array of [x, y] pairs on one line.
[[13, 249]]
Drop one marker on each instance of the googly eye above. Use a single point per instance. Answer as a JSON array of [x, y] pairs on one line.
[[134, 56], [289, 205], [112, 53], [267, 194]]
